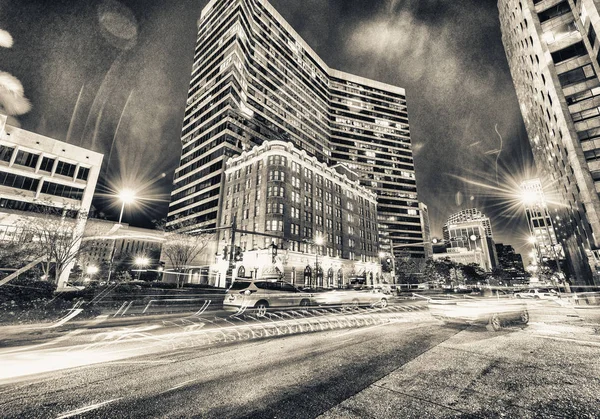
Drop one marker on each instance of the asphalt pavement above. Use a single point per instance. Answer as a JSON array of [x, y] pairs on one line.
[[400, 363]]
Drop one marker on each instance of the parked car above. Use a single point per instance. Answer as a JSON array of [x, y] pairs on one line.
[[495, 311], [538, 294], [260, 296], [352, 298]]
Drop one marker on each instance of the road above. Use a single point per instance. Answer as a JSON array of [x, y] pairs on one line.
[[397, 364]]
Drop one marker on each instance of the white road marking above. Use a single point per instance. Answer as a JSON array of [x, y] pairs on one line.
[[86, 409], [181, 385]]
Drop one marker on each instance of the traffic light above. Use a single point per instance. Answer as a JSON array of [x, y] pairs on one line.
[[386, 264], [238, 256]]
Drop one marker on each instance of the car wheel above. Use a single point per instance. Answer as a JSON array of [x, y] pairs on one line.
[[304, 303], [524, 317], [537, 297], [383, 303], [496, 322], [518, 296], [261, 308]]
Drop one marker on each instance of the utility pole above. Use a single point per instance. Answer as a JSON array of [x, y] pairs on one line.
[[229, 273]]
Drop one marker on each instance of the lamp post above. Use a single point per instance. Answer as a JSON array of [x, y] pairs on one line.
[[318, 242], [126, 196]]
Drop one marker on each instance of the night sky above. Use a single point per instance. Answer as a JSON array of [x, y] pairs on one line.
[[92, 66]]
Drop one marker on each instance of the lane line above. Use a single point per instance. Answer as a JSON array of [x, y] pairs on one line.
[[86, 409]]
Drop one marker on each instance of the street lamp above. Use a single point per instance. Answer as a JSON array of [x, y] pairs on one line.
[[91, 271], [473, 238], [141, 261], [126, 196]]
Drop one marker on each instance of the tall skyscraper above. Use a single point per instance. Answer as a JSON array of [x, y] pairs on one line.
[[552, 53], [467, 215], [255, 79]]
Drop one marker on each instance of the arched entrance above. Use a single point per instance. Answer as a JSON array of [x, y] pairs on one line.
[[308, 277], [241, 273]]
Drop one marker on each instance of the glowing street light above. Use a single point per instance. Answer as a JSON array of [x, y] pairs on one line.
[[126, 196], [532, 240], [141, 261]]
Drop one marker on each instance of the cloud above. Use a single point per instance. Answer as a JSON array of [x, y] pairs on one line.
[[6, 39]]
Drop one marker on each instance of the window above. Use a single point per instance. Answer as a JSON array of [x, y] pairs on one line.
[[328, 210], [307, 201], [65, 169], [308, 216], [295, 212], [319, 206], [26, 159], [327, 196], [279, 160], [48, 163], [5, 153], [19, 182], [572, 51], [295, 167], [56, 189], [276, 175], [554, 11], [294, 229], [338, 201], [295, 197], [307, 187], [274, 225], [307, 173], [319, 220], [295, 182]]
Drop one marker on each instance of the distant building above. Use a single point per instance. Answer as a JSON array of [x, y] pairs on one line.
[[426, 227], [128, 243], [508, 259], [41, 173], [468, 237], [323, 222]]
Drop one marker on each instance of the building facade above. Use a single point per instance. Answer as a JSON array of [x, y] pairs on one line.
[[255, 79], [127, 243], [39, 174], [322, 221], [470, 214], [509, 260], [552, 51], [540, 223]]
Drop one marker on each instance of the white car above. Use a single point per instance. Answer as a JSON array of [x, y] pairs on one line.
[[260, 296], [538, 294], [352, 298]]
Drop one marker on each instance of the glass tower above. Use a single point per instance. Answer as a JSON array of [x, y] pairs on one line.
[[255, 79]]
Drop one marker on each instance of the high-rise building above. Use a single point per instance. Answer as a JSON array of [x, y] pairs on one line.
[[552, 52], [255, 79], [470, 214], [468, 237]]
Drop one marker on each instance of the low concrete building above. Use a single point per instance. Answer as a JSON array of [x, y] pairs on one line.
[[41, 174]]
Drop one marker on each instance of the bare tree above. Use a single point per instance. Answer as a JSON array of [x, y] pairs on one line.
[[56, 238], [182, 248]]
